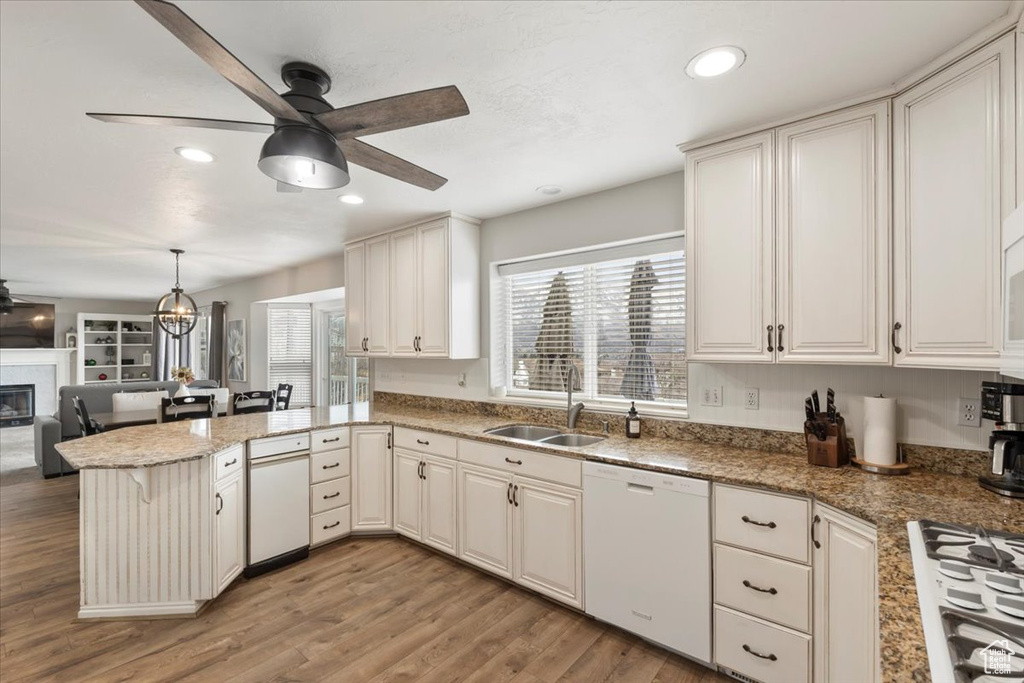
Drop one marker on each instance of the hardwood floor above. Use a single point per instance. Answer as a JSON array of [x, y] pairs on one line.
[[380, 610]]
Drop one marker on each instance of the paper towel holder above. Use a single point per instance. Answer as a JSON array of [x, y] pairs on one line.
[[901, 467]]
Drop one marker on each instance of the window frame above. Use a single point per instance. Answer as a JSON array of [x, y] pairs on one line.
[[312, 350]]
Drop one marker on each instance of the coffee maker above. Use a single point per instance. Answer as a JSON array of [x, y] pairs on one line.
[[1004, 404]]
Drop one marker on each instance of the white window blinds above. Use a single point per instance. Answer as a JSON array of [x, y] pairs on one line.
[[290, 351], [620, 321]]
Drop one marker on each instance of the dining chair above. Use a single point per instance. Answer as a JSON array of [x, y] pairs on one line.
[[186, 408], [284, 396], [246, 402], [86, 425]]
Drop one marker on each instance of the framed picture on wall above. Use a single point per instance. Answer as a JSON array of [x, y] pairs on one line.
[[237, 361]]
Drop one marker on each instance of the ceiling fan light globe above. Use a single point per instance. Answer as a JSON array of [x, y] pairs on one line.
[[304, 156]]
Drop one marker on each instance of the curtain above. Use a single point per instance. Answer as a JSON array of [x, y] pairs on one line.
[[169, 353], [216, 358]]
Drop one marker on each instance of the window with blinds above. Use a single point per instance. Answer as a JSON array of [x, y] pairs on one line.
[[290, 351], [617, 315]]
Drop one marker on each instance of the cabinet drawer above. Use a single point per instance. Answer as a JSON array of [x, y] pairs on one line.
[[275, 445], [329, 465], [776, 590], [757, 649], [228, 462], [765, 522], [330, 494], [426, 442], [330, 525], [329, 439], [561, 470]]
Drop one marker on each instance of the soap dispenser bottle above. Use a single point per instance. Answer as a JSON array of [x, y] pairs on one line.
[[632, 422]]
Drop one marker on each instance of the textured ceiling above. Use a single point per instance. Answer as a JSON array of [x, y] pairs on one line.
[[587, 95]]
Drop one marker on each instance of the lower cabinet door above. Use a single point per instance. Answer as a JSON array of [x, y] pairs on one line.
[[438, 519], [407, 493], [371, 478], [229, 509], [761, 650], [485, 519], [548, 545]]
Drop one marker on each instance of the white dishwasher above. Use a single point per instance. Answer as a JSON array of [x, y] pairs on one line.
[[647, 555], [278, 502]]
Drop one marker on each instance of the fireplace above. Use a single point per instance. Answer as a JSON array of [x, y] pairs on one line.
[[17, 404]]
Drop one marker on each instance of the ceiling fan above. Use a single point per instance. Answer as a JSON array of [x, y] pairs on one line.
[[310, 141]]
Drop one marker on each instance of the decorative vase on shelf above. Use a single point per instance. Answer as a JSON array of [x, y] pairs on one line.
[[182, 390]]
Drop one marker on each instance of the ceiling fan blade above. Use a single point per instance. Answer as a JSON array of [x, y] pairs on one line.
[[392, 113], [286, 188], [217, 56], [368, 156], [185, 122]]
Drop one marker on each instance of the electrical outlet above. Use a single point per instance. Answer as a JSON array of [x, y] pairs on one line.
[[968, 412], [751, 397], [712, 397]]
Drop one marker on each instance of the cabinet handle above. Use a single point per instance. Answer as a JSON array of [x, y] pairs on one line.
[[896, 328], [779, 345], [229, 464], [513, 462], [331, 526], [509, 493], [389, 441], [770, 657], [337, 438], [220, 504], [814, 529], [331, 467], [422, 442], [758, 588], [770, 347], [748, 520], [515, 495], [332, 495], [416, 343], [366, 343]]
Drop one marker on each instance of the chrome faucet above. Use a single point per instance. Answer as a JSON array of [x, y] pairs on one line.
[[573, 410]]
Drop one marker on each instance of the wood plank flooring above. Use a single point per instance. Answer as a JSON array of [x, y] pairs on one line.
[[382, 610]]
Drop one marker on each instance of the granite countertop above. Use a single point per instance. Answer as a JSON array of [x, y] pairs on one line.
[[887, 502]]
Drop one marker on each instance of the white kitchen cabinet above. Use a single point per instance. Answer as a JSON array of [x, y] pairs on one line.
[[371, 478], [378, 281], [408, 493], [485, 518], [832, 238], [439, 516], [548, 539], [730, 266], [355, 299], [953, 183], [846, 647], [229, 518], [404, 292]]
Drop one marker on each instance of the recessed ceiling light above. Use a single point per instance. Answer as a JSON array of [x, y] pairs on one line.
[[350, 199], [715, 62], [193, 154], [549, 189]]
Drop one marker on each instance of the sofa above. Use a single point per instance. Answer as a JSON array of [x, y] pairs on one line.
[[62, 426]]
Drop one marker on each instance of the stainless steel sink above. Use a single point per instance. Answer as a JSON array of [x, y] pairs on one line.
[[572, 440], [525, 432]]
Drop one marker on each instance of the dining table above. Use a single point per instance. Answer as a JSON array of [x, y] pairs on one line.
[[133, 418]]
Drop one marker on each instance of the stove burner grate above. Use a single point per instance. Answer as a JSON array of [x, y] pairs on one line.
[[989, 554]]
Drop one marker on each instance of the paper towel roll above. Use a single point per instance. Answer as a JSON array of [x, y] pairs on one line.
[[879, 445]]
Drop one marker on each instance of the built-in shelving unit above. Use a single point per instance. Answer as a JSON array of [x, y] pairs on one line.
[[119, 345]]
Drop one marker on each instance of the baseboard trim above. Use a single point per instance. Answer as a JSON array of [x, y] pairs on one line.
[[142, 610]]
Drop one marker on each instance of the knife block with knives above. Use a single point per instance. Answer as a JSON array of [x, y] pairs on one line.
[[825, 433]]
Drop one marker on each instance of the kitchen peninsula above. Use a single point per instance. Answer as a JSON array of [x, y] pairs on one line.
[[163, 562]]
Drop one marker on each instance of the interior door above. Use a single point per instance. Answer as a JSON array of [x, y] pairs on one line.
[[832, 238], [404, 293], [439, 504], [378, 287], [434, 290], [729, 250], [548, 540], [408, 493], [485, 519], [355, 299]]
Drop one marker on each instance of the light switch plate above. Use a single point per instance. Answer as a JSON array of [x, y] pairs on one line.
[[712, 397]]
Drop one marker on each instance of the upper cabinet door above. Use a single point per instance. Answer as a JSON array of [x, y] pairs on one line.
[[434, 290], [355, 302], [404, 293], [729, 251], [832, 238], [954, 181], [377, 296]]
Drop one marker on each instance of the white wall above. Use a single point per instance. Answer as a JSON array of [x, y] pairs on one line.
[[927, 398], [243, 303]]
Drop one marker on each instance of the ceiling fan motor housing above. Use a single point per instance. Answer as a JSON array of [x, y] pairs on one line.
[[308, 85]]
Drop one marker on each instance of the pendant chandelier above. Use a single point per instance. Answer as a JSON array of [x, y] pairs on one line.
[[176, 312]]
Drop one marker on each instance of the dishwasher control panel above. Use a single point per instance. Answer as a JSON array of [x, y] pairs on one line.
[[658, 480]]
